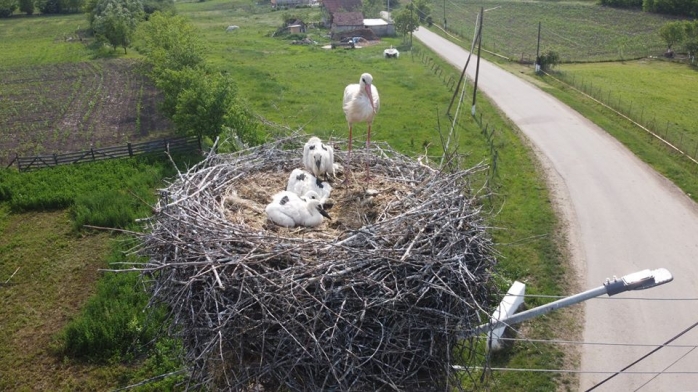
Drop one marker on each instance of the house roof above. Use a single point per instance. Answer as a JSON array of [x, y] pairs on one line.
[[348, 19], [333, 6]]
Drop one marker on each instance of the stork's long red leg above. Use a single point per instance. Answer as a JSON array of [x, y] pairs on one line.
[[349, 158], [368, 145], [348, 164]]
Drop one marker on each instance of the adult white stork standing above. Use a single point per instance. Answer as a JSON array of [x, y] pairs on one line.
[[318, 158], [288, 209], [361, 103]]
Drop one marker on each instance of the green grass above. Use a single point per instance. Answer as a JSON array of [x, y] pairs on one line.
[[107, 193], [676, 168], [41, 40], [578, 31], [656, 93], [301, 87]]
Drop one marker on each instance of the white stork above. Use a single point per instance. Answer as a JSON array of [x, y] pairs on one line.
[[318, 158], [288, 209], [301, 182], [361, 103]]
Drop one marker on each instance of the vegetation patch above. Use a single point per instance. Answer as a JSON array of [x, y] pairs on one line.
[[74, 106], [577, 31]]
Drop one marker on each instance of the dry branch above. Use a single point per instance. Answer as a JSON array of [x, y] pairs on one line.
[[373, 300]]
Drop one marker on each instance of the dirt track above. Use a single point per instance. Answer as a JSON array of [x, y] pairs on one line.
[[623, 217]]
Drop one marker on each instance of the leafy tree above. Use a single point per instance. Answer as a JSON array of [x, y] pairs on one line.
[[7, 7], [152, 6], [672, 33], [115, 21], [26, 6], [621, 3], [170, 43], [549, 60], [422, 8], [209, 105], [690, 40], [372, 8], [405, 22]]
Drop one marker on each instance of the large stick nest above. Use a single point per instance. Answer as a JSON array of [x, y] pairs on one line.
[[373, 300]]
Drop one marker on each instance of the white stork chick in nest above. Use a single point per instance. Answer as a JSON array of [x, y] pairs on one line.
[[301, 182], [318, 158], [288, 209]]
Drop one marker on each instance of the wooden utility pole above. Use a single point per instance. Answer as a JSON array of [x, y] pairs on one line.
[[477, 68], [538, 51]]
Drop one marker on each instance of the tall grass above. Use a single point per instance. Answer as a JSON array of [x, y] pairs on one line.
[[107, 193]]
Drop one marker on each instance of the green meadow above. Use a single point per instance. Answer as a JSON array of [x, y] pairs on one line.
[[292, 87]]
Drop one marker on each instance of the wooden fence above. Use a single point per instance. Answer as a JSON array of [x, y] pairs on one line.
[[171, 145]]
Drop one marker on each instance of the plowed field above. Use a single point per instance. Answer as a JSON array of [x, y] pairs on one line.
[[72, 107]]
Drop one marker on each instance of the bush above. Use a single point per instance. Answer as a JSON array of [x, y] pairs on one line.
[[7, 7], [113, 208], [112, 326], [26, 6], [549, 60]]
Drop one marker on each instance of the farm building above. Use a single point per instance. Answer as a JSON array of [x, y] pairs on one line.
[[380, 27], [347, 21], [332, 7]]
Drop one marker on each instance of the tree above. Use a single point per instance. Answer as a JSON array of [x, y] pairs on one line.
[[207, 105], [549, 60], [421, 8], [672, 33], [170, 42], [115, 21], [405, 22], [26, 6], [7, 7], [690, 40]]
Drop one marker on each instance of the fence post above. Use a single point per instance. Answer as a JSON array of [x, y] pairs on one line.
[[55, 159], [92, 151], [130, 149], [19, 165]]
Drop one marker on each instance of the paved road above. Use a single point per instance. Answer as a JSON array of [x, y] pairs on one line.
[[623, 217]]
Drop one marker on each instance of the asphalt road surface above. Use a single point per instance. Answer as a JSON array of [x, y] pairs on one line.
[[623, 217]]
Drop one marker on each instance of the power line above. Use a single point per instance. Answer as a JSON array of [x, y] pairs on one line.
[[456, 367], [645, 356], [665, 369], [555, 341]]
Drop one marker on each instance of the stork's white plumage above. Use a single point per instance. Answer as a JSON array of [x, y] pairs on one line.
[[288, 209], [361, 103], [301, 182], [318, 158]]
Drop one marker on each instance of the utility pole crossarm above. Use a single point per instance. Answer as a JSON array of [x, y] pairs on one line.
[[636, 281]]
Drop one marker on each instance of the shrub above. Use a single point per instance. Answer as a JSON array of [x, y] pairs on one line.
[[7, 7], [112, 325]]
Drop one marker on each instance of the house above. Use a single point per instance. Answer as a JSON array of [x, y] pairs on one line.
[[331, 7], [380, 27], [347, 21]]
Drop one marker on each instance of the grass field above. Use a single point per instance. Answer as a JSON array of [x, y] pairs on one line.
[[578, 31], [658, 94], [300, 87]]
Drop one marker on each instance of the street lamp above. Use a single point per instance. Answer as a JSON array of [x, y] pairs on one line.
[[641, 280]]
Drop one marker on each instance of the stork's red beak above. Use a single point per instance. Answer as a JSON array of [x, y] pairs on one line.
[[370, 96]]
